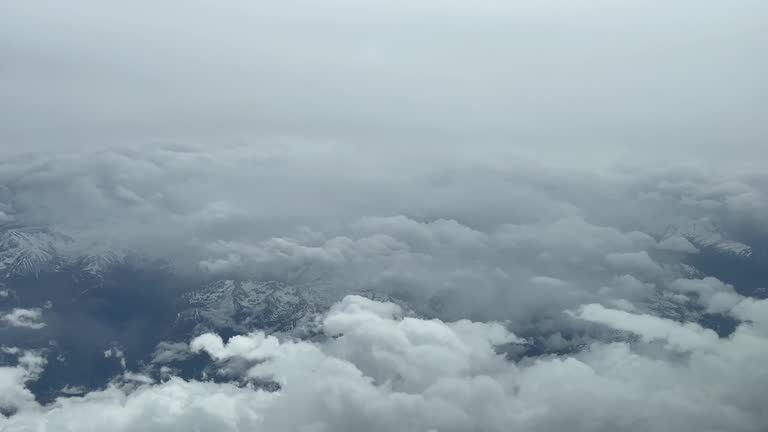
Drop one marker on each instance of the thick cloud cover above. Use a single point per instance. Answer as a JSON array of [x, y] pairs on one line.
[[483, 239], [611, 75], [554, 214], [383, 370]]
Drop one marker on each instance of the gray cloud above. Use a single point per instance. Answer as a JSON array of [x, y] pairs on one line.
[[716, 296], [474, 236], [532, 184], [391, 371], [677, 244], [683, 80]]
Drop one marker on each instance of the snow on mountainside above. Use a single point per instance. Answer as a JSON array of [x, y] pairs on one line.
[[97, 261], [704, 233], [246, 305], [28, 251]]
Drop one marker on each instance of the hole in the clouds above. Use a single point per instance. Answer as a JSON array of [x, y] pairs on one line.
[[8, 411], [749, 275]]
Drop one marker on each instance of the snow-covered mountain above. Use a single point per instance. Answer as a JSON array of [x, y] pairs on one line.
[[704, 233], [273, 306], [245, 305], [29, 251], [96, 262]]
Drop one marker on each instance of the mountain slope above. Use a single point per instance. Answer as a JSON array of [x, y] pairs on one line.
[[26, 251], [704, 233]]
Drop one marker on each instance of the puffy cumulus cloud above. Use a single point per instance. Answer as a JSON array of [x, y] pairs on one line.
[[710, 292], [382, 369], [28, 318], [171, 406], [753, 311], [14, 394], [420, 351], [684, 337]]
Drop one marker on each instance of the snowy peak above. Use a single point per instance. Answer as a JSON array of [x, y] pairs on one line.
[[95, 263], [246, 305], [29, 251], [704, 233]]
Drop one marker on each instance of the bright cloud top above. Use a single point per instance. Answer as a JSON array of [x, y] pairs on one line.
[[381, 369]]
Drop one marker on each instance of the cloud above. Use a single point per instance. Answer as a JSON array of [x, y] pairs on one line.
[[548, 281], [371, 147], [486, 270], [456, 237], [713, 294], [650, 328], [484, 240], [117, 354], [628, 287], [165, 407], [28, 318], [753, 310], [425, 79], [169, 352], [384, 369], [13, 392], [677, 244], [634, 262]]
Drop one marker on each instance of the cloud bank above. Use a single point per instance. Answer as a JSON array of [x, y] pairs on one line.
[[379, 368]]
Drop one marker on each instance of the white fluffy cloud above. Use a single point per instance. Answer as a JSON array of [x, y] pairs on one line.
[[713, 294], [13, 392], [683, 337], [20, 317], [384, 370]]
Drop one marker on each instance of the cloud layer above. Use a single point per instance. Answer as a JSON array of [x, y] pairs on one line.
[[501, 215], [384, 370]]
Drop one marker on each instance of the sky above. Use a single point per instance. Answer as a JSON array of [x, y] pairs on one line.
[[495, 175], [619, 78]]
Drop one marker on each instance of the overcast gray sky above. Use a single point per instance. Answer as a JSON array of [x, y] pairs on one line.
[[582, 77]]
